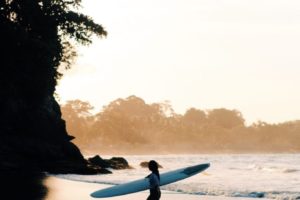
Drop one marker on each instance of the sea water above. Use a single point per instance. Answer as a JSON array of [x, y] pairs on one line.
[[275, 176]]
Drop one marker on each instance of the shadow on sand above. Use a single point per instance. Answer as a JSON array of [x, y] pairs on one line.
[[22, 185]]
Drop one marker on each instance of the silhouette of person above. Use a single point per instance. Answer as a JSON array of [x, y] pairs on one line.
[[154, 181]]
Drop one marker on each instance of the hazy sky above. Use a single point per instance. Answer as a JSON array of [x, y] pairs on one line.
[[206, 54]]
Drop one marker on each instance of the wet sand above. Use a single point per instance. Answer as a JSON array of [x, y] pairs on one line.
[[62, 189]]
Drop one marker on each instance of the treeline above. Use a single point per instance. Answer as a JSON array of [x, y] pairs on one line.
[[132, 126]]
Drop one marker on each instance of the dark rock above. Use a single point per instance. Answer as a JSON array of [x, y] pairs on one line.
[[37, 140], [104, 171], [98, 161], [114, 163], [118, 163], [144, 164], [257, 194]]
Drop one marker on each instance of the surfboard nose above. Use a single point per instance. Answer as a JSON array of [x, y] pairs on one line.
[[93, 195], [195, 169]]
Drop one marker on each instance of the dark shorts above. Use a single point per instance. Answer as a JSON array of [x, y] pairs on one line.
[[154, 194]]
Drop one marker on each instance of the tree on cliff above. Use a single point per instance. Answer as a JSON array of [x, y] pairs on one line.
[[36, 37]]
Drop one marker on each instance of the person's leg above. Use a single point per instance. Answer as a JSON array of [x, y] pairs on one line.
[[154, 194]]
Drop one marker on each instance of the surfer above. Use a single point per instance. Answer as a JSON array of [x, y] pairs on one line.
[[154, 180]]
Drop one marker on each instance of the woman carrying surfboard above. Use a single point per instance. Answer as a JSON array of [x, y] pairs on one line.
[[144, 183], [154, 181]]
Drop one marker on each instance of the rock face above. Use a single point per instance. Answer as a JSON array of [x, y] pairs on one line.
[[37, 140], [34, 45]]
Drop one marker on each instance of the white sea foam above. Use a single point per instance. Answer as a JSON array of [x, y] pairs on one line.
[[274, 176]]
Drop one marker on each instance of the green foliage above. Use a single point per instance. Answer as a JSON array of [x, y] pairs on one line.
[[35, 41]]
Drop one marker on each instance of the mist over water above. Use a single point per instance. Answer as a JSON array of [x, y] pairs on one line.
[[275, 176]]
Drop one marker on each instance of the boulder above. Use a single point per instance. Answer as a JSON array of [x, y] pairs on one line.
[[118, 163], [98, 161], [114, 163]]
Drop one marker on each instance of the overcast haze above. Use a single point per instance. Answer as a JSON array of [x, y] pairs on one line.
[[205, 54]]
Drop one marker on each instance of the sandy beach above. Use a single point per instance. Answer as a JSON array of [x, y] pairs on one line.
[[62, 189]]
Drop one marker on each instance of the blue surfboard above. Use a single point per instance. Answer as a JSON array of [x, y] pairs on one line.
[[143, 184]]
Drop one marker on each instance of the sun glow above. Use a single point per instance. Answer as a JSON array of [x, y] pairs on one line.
[[205, 54]]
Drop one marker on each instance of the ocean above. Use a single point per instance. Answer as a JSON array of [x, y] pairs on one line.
[[274, 176]]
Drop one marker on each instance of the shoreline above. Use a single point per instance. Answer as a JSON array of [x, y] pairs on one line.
[[63, 189], [89, 154]]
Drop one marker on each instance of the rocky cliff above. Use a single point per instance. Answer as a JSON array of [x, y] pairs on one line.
[[36, 139], [34, 38]]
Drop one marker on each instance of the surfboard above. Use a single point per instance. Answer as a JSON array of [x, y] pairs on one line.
[[143, 184]]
